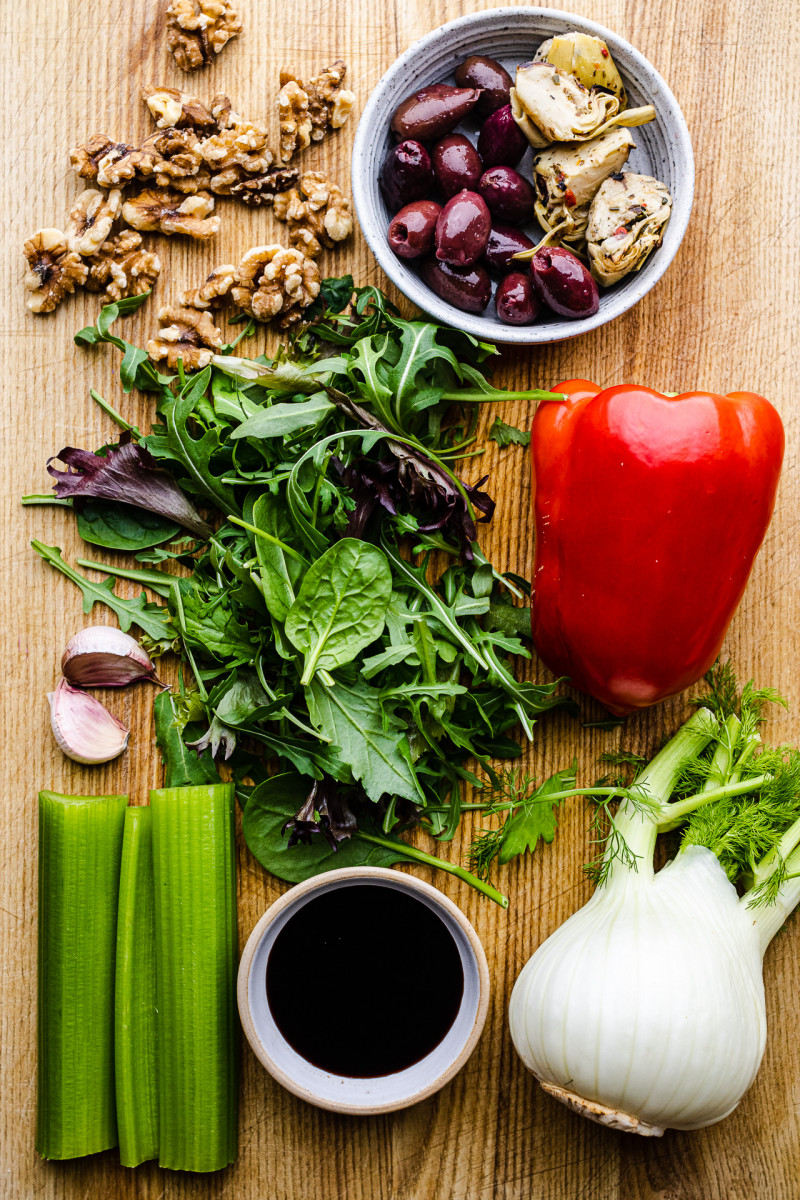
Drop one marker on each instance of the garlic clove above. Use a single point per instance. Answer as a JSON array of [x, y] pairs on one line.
[[84, 730], [103, 656]]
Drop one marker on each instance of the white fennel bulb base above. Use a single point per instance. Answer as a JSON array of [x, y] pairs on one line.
[[645, 1010]]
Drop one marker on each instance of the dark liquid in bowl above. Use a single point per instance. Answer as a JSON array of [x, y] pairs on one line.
[[364, 980]]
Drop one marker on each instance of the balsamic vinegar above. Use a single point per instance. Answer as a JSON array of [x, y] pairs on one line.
[[364, 980]]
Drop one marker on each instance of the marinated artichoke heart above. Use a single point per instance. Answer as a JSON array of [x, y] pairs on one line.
[[567, 179], [553, 105], [587, 58], [627, 220]]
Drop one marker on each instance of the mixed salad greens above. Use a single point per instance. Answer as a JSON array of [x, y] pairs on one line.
[[349, 649]]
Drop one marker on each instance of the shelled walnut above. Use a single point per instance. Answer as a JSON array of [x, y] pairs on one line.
[[122, 267], [275, 282], [54, 270], [198, 29], [171, 108], [257, 190], [308, 111], [86, 159], [240, 143], [294, 118], [214, 292], [172, 157], [187, 334], [317, 213], [167, 211], [90, 220]]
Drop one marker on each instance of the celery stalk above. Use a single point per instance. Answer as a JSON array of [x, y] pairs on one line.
[[80, 849], [135, 995], [196, 958]]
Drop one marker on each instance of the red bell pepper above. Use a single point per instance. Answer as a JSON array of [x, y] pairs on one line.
[[649, 511]]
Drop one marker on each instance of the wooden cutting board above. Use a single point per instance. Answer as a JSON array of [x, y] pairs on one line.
[[724, 318]]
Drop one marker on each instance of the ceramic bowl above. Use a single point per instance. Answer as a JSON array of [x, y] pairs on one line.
[[512, 35], [341, 1093]]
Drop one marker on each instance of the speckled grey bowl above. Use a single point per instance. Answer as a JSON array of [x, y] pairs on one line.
[[512, 35]]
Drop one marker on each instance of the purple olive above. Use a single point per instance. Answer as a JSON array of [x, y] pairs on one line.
[[477, 71], [504, 242], [516, 300], [501, 142], [433, 111], [456, 164], [467, 288], [462, 230], [406, 174], [412, 231], [510, 197], [563, 283]]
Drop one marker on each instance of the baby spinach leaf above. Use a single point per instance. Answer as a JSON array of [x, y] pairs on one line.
[[341, 606], [369, 737], [275, 802], [122, 527], [508, 435], [283, 418], [280, 573]]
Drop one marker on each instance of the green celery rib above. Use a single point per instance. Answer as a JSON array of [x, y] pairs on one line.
[[196, 958], [80, 849], [135, 995]]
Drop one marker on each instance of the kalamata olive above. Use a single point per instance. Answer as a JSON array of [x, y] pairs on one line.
[[467, 288], [456, 164], [412, 231], [433, 111], [501, 142], [510, 197], [504, 242], [462, 229], [563, 283], [406, 174], [516, 300], [477, 71]]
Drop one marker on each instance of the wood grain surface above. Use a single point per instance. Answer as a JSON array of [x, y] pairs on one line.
[[724, 317]]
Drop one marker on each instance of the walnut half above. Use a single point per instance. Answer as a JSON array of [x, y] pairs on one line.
[[187, 334], [89, 223], [307, 112], [54, 270], [198, 29], [214, 292], [165, 211], [317, 213], [171, 108], [122, 267], [273, 282]]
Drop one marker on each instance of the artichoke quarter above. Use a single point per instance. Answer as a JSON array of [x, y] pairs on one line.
[[627, 220], [587, 58], [551, 105], [567, 179]]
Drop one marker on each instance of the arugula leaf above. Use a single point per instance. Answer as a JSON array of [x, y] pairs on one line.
[[174, 442], [154, 619], [183, 766], [341, 606], [536, 817], [507, 435], [266, 813], [368, 736]]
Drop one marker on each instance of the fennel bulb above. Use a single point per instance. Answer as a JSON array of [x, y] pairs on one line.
[[645, 1009]]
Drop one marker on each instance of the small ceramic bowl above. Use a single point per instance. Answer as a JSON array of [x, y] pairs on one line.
[[341, 1093], [512, 35]]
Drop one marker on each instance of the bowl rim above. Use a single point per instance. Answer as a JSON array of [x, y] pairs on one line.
[[404, 882], [476, 324]]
